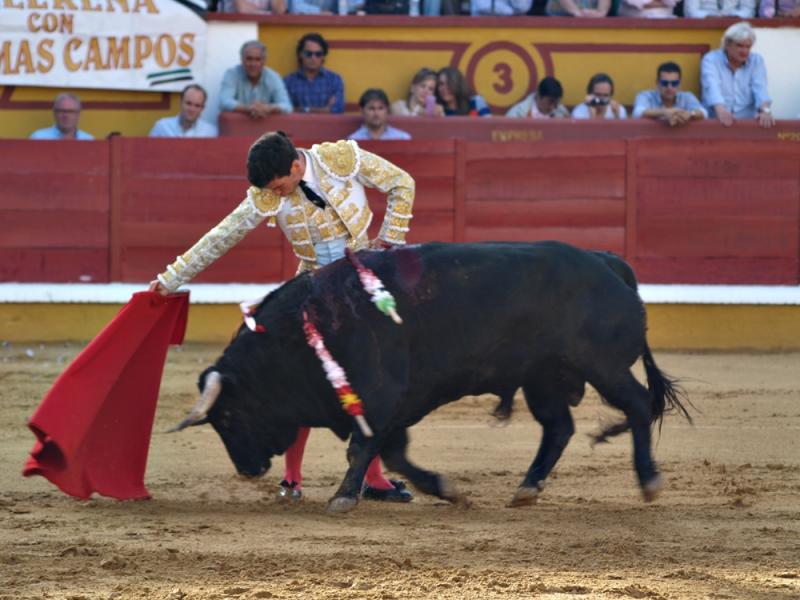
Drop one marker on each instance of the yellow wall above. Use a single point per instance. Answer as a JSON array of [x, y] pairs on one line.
[[671, 326]]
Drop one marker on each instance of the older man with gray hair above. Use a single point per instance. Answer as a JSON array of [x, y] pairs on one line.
[[734, 79], [252, 88], [66, 111]]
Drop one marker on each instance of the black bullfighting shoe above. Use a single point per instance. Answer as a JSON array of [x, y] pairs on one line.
[[289, 492], [398, 494]]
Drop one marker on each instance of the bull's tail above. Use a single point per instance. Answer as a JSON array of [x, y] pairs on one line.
[[667, 397]]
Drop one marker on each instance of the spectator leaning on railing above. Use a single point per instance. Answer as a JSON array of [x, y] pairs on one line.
[[187, 123], [503, 8], [453, 93], [544, 103], [666, 103], [253, 7], [67, 112], [374, 105], [421, 100], [734, 79], [578, 8], [600, 103], [698, 9], [251, 88], [313, 88], [779, 8]]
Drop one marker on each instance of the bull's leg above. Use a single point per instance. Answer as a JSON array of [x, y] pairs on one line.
[[394, 455], [631, 397], [360, 453], [549, 405]]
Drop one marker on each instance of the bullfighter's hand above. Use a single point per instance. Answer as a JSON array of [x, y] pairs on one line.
[[155, 286], [379, 244]]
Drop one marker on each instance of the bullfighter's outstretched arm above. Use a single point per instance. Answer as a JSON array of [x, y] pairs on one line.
[[259, 205], [398, 186]]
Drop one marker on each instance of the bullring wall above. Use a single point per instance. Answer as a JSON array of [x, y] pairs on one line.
[[680, 210]]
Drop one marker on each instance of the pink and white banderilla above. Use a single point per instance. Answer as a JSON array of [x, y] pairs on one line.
[[350, 401]]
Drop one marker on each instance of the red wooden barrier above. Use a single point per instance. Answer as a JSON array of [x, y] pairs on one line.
[[694, 211], [570, 191], [54, 206], [500, 129], [712, 211], [167, 193]]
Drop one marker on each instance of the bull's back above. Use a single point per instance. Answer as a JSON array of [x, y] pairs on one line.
[[479, 316]]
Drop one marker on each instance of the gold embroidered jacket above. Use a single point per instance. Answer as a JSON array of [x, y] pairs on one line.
[[342, 170]]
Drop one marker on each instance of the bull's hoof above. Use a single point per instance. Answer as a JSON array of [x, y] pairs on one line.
[[340, 505], [652, 488], [449, 492], [525, 496]]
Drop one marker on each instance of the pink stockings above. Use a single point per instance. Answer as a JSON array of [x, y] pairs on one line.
[[294, 464]]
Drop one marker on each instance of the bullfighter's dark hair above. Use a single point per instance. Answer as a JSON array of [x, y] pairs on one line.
[[668, 67], [373, 94], [600, 78], [269, 157], [550, 87]]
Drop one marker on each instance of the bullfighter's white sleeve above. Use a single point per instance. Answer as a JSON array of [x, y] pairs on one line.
[[259, 205]]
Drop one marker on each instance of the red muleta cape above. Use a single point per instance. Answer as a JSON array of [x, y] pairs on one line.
[[93, 426]]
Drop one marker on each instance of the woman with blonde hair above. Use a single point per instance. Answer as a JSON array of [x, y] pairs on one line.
[[421, 99]]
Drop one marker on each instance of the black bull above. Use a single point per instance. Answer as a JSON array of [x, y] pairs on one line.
[[477, 318]]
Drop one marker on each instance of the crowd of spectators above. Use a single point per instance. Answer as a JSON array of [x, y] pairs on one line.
[[734, 88], [697, 9]]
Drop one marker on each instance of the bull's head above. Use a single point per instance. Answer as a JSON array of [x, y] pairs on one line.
[[232, 416]]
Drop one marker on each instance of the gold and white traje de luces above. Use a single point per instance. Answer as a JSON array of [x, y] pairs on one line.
[[342, 170]]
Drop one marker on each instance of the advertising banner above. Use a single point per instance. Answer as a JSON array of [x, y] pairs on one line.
[[153, 45]]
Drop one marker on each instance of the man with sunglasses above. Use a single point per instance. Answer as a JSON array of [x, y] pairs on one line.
[[667, 103], [313, 88]]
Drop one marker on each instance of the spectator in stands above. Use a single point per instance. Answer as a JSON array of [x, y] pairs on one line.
[[421, 99], [313, 88], [544, 103], [187, 123], [698, 9], [779, 8], [647, 9], [453, 93], [600, 103], [67, 112], [666, 103], [374, 105], [504, 8], [578, 8], [253, 7], [313, 7], [734, 79], [252, 88]]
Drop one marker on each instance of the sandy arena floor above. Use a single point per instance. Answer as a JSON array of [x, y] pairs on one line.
[[726, 526]]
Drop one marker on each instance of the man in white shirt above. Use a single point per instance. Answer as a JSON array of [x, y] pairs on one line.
[[187, 123]]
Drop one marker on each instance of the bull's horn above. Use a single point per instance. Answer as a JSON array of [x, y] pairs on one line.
[[211, 389]]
